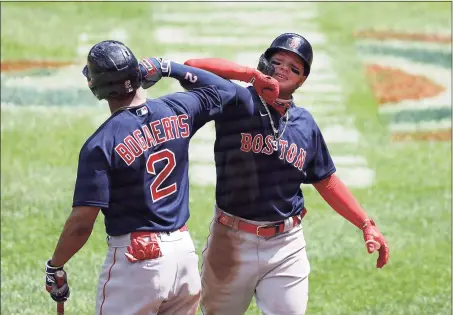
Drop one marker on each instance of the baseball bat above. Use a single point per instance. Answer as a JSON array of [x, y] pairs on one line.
[[59, 278]]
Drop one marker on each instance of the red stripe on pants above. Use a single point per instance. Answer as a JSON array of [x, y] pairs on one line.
[[108, 279]]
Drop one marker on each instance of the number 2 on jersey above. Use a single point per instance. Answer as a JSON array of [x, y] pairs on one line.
[[191, 77], [158, 192]]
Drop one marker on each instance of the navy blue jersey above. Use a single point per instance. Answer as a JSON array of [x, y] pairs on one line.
[[135, 166], [259, 180]]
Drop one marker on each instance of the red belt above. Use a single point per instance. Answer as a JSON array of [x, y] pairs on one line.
[[149, 233], [268, 230]]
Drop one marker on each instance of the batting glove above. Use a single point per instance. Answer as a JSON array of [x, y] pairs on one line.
[[59, 290], [141, 249], [375, 241], [152, 70], [267, 87]]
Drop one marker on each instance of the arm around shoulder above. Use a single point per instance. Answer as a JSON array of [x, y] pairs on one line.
[[266, 86]]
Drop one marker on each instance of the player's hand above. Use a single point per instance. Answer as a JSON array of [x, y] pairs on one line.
[[59, 293], [152, 70], [375, 241], [267, 87]]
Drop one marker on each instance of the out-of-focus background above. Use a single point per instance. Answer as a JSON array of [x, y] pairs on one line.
[[380, 89]]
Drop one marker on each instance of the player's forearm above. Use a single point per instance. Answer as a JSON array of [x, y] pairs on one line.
[[340, 198], [224, 68], [191, 77], [72, 239]]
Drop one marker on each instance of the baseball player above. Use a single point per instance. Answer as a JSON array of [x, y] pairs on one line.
[[256, 244], [134, 169]]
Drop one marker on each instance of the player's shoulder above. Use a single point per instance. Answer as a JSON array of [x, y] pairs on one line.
[[176, 102], [253, 96], [301, 113], [187, 101], [103, 137], [252, 91]]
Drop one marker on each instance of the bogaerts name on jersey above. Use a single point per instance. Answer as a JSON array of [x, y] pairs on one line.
[[157, 132]]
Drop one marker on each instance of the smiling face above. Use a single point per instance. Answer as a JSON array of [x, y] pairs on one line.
[[289, 72]]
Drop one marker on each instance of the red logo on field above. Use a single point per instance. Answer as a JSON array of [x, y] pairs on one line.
[[20, 65]]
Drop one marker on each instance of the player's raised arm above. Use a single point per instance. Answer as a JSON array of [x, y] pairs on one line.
[[212, 91], [265, 85], [207, 93], [196, 77]]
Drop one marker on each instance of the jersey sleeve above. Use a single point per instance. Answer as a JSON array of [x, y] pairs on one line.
[[241, 99], [206, 96], [321, 165], [192, 78], [92, 183]]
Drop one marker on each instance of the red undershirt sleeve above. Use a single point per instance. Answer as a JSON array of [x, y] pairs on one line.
[[223, 68], [340, 198]]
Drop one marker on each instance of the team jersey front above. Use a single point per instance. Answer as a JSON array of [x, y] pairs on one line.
[[259, 175], [135, 166]]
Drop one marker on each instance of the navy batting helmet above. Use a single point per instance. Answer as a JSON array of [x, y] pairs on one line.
[[112, 70], [294, 43]]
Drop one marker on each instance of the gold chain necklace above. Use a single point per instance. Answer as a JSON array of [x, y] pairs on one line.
[[275, 130]]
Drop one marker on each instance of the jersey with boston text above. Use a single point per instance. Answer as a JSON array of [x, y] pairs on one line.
[[259, 176]]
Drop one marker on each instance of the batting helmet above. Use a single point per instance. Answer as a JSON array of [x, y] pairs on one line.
[[112, 70], [294, 43]]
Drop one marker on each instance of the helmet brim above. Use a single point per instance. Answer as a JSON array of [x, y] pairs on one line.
[[85, 72]]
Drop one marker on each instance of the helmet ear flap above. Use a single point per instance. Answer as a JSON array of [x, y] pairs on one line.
[[265, 66], [95, 92]]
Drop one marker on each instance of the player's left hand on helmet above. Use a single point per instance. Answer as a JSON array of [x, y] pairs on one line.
[[267, 87], [375, 241], [59, 293], [152, 70]]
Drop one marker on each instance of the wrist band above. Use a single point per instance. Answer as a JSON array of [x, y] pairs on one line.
[[365, 223]]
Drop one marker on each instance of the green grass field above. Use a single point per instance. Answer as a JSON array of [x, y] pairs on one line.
[[410, 197]]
